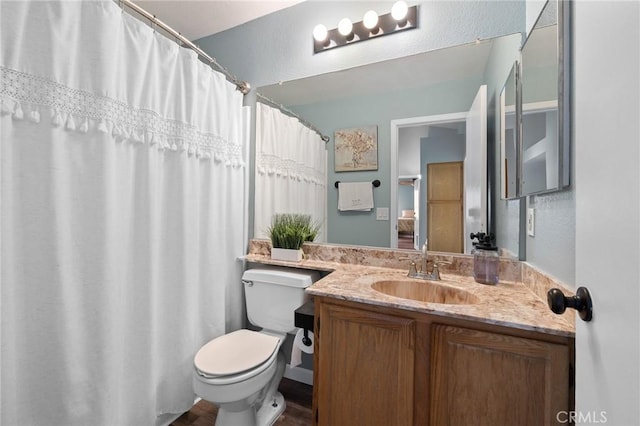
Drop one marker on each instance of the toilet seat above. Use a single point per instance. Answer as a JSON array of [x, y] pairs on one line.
[[236, 356]]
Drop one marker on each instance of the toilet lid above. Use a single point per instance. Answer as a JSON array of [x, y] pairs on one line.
[[235, 352]]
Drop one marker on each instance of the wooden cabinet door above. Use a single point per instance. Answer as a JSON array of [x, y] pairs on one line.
[[365, 368], [481, 378]]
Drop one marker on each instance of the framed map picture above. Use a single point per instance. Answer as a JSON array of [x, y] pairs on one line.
[[356, 149]]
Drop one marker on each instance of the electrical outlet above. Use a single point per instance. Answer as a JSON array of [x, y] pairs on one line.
[[531, 222], [382, 213]]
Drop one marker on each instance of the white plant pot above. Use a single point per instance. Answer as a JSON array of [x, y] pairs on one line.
[[290, 255]]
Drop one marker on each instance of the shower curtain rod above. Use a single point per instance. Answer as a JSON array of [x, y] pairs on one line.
[[242, 86], [284, 109]]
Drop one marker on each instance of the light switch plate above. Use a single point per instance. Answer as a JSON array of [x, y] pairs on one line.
[[531, 222], [382, 213]]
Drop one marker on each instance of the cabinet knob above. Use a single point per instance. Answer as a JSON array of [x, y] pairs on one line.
[[581, 302]]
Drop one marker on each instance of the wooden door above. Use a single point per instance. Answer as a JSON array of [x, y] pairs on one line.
[[445, 206], [475, 171], [481, 378], [607, 196], [365, 368]]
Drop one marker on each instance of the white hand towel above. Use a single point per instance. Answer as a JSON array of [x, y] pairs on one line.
[[356, 196]]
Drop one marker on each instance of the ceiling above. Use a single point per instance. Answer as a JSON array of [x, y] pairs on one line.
[[200, 18]]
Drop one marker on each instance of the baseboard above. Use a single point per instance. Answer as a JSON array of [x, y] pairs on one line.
[[299, 374]]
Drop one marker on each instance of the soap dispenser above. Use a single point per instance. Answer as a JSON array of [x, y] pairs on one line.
[[486, 261]]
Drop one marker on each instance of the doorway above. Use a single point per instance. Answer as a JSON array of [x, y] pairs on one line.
[[474, 211], [441, 140], [408, 212]]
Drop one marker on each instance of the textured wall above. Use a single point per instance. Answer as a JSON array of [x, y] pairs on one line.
[[552, 249], [278, 47]]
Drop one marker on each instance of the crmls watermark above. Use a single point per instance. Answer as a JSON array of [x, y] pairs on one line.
[[589, 417]]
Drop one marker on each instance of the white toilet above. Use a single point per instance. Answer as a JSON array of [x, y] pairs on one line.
[[240, 371]]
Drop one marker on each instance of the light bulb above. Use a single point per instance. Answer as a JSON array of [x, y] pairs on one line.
[[345, 26], [320, 33], [370, 20], [399, 10]]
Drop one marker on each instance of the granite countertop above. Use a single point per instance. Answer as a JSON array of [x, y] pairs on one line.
[[509, 303], [351, 272]]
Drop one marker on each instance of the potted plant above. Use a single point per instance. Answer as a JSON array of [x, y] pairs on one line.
[[288, 232]]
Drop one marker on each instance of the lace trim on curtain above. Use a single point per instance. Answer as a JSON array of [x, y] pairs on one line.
[[24, 96], [271, 164]]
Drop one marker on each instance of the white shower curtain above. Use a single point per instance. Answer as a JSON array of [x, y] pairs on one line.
[[291, 170], [123, 214]]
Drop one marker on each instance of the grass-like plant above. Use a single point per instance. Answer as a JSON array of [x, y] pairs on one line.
[[290, 230]]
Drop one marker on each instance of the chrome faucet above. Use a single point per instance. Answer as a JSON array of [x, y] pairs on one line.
[[425, 258], [424, 273]]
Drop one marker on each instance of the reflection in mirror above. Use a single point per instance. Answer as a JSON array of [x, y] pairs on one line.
[[544, 145], [441, 82], [508, 140], [435, 154], [408, 211]]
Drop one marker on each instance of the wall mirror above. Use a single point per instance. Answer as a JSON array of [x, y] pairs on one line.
[[443, 82], [544, 110], [508, 140]]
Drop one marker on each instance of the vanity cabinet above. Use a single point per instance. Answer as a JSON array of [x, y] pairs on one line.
[[384, 366], [485, 378], [367, 367]]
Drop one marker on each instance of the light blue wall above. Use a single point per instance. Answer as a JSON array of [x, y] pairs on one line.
[[405, 198], [552, 249], [278, 47], [361, 227]]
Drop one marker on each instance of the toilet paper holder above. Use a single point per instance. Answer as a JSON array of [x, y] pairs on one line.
[[304, 317], [305, 340]]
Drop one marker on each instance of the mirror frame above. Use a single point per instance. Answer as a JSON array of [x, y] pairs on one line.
[[512, 80], [564, 116]]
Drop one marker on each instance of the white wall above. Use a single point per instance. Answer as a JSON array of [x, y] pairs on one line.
[[409, 149], [533, 9]]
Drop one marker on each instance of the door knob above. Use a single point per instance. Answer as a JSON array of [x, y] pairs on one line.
[[581, 302]]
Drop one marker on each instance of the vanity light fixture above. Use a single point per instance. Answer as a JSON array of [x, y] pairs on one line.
[[399, 11], [370, 21], [401, 17], [320, 34], [345, 28]]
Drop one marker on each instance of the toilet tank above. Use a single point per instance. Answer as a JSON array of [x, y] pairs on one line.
[[273, 294]]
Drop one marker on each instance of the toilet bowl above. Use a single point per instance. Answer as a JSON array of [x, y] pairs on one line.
[[240, 371]]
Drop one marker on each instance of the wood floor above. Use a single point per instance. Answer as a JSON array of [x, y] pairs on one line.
[[297, 413], [405, 241]]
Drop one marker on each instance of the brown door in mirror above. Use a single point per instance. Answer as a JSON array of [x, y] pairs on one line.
[[444, 206]]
